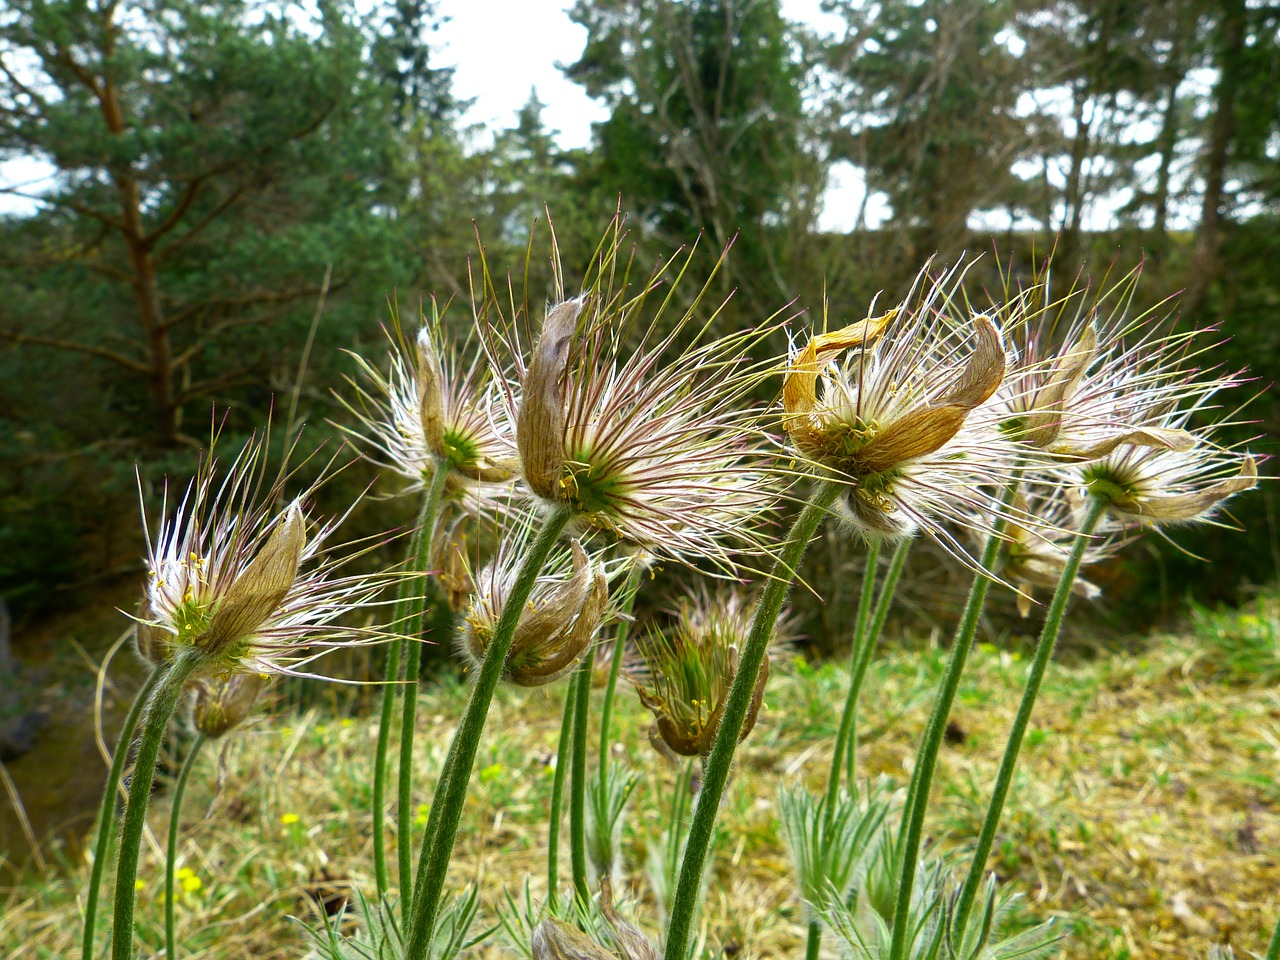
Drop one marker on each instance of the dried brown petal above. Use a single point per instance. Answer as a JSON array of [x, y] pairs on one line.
[[1044, 422], [1189, 506], [799, 387], [430, 380], [541, 419], [258, 591]]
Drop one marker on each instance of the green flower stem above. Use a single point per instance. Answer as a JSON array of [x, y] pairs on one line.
[[1040, 663], [861, 638], [175, 821], [162, 703], [883, 603], [1273, 948], [629, 591], [922, 777], [451, 792], [813, 944], [414, 605], [107, 820], [384, 735], [578, 778], [380, 765], [557, 788], [716, 770]]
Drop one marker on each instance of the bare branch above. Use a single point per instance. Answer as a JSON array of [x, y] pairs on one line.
[[93, 350]]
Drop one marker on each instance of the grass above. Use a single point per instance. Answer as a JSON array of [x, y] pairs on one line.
[[1146, 812]]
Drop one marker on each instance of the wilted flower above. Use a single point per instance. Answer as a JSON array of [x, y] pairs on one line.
[[647, 448], [558, 622], [244, 583], [1146, 486], [556, 940], [1090, 377], [683, 675], [887, 406], [1039, 542], [222, 703], [435, 409]]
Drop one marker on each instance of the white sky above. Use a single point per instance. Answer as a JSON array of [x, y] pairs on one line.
[[501, 50]]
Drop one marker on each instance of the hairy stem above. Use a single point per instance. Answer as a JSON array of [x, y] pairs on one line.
[[927, 759], [1040, 663], [414, 605], [107, 821], [883, 603], [578, 778], [861, 638], [451, 792], [557, 788], [716, 771], [155, 722], [629, 591], [175, 821]]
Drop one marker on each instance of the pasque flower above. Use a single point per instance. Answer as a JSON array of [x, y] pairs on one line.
[[436, 408], [558, 623], [683, 675], [1090, 377], [244, 583], [890, 406], [649, 447]]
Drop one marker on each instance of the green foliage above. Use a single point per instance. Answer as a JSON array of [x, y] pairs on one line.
[[707, 131]]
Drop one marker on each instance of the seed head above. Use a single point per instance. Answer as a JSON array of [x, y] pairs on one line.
[[893, 406], [436, 407], [243, 583], [556, 626], [1039, 542], [648, 443], [1091, 375]]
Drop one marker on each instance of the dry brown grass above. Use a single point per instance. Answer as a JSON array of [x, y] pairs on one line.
[[1146, 813]]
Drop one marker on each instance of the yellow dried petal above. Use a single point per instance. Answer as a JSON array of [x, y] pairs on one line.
[[799, 387]]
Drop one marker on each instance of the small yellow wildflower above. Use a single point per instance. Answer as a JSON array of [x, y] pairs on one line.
[[139, 884], [289, 819], [188, 879]]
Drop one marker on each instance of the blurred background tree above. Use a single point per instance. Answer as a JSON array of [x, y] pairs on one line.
[[216, 161]]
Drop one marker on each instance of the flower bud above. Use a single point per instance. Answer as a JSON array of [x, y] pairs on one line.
[[683, 677], [221, 705], [555, 627]]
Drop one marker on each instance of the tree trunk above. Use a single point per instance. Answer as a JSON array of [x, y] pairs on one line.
[[145, 281], [1205, 263]]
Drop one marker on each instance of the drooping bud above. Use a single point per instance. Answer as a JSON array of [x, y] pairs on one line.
[[258, 591], [449, 557], [222, 704], [555, 627], [683, 676]]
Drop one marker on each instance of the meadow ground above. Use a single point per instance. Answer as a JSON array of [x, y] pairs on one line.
[[1146, 813]]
